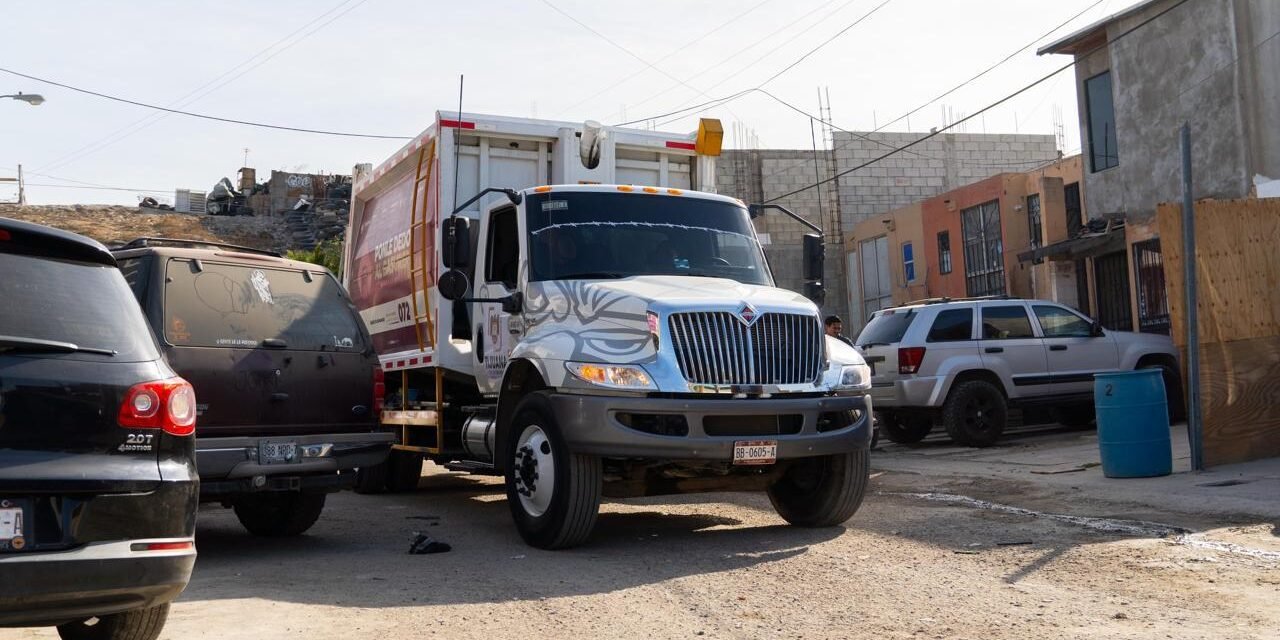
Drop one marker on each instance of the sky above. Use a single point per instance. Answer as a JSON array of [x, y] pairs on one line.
[[382, 67]]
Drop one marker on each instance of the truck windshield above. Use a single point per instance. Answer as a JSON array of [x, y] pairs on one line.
[[586, 235]]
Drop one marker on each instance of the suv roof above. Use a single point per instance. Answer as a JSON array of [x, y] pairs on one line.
[[946, 300], [17, 236], [139, 243], [171, 247]]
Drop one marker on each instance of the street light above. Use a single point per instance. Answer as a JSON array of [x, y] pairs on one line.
[[32, 99]]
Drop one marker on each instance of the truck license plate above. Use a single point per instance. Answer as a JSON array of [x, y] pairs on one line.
[[10, 524], [277, 452], [755, 452]]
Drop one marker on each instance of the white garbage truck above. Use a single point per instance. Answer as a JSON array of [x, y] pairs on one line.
[[572, 307]]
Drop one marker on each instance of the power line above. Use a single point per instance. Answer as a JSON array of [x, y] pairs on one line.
[[200, 91], [200, 115], [993, 105], [755, 43], [74, 186], [826, 42], [667, 56]]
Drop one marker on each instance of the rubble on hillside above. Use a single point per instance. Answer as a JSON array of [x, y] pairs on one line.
[[114, 224]]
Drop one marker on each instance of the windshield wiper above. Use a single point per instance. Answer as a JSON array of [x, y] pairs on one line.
[[36, 345], [590, 275]]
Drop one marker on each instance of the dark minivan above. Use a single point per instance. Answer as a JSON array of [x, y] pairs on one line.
[[284, 369], [98, 487]]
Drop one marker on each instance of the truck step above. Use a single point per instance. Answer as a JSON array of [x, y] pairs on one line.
[[469, 466], [410, 418]]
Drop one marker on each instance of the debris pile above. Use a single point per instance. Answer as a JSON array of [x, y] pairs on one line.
[[114, 224]]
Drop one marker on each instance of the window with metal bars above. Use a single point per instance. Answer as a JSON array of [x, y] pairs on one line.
[[983, 250], [1034, 226], [944, 252], [1153, 300]]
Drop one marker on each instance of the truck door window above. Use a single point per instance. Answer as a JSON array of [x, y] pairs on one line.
[[503, 248], [1005, 323]]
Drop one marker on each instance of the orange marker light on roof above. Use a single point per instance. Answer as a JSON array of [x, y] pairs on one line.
[[674, 192], [623, 187], [542, 189], [650, 190]]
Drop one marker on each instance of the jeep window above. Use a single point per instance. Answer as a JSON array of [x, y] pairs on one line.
[[503, 249], [1057, 322], [1005, 323], [886, 327], [137, 272], [88, 305], [589, 235], [209, 304], [952, 325]]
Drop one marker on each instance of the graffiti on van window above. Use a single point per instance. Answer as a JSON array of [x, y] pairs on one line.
[[261, 285]]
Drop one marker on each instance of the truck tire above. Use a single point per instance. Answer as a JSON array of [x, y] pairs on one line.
[[822, 492], [404, 471], [139, 624], [279, 514], [975, 413], [905, 429], [371, 479], [549, 515]]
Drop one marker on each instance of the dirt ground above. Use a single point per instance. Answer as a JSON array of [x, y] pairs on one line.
[[906, 566]]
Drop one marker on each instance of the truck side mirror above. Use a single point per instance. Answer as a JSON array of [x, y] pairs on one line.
[[456, 243], [814, 255], [814, 291], [453, 285]]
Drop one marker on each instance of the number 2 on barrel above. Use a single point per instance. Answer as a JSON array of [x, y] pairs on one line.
[[1109, 389]]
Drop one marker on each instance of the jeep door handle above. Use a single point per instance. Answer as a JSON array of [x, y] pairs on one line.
[[994, 350], [279, 397], [1057, 347]]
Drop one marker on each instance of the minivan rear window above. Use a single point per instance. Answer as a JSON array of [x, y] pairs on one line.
[[886, 327], [88, 305], [210, 304]]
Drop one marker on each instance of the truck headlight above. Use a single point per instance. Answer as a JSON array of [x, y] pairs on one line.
[[614, 376], [855, 376]]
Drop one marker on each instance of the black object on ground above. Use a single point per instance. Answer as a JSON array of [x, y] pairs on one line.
[[424, 544]]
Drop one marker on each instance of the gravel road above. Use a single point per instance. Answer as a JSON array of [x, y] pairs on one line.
[[904, 567]]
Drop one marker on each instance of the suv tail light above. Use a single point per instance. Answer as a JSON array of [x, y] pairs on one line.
[[909, 359], [379, 389], [168, 405]]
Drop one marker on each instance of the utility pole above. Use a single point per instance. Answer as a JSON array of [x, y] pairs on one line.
[[246, 157], [22, 191], [1195, 429]]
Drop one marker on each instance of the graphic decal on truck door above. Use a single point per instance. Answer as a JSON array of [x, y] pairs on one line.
[[585, 321]]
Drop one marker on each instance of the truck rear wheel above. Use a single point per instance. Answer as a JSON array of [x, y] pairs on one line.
[[279, 514], [823, 491], [404, 470], [554, 494]]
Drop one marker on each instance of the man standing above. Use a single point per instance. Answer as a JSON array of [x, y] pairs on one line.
[[834, 326]]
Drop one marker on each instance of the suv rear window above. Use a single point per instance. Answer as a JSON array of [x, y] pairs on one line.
[[88, 305], [886, 327], [952, 325], [210, 304]]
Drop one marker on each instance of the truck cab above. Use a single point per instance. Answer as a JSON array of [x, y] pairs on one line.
[[618, 340]]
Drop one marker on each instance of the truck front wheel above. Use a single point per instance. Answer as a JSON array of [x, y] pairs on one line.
[[554, 494], [823, 491]]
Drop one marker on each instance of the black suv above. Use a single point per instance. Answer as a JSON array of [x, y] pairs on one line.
[[98, 488], [284, 368]]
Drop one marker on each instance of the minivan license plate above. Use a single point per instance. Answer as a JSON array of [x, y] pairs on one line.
[[10, 523], [277, 452], [755, 452]]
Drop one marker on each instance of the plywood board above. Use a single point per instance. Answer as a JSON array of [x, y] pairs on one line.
[[1240, 396], [1238, 260]]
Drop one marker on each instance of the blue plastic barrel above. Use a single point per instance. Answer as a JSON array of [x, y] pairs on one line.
[[1133, 424]]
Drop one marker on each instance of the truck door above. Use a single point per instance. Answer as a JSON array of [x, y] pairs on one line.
[[497, 274]]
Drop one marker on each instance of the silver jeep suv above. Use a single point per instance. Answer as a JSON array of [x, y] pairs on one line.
[[965, 362]]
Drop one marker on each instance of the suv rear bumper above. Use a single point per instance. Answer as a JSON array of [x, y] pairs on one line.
[[590, 425], [101, 578], [913, 392], [228, 465]]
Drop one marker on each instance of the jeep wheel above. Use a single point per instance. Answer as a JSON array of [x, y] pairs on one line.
[[139, 624], [554, 494], [823, 491], [905, 429], [1172, 391], [279, 514], [404, 470], [975, 413]]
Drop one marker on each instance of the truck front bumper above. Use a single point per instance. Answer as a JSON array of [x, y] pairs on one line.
[[591, 424]]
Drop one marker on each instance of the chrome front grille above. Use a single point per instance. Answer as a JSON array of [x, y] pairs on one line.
[[715, 347]]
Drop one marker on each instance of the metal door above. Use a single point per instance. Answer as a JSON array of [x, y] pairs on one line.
[[1111, 273]]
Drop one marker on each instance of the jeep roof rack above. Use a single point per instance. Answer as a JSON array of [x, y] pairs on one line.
[[945, 299], [139, 243]]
